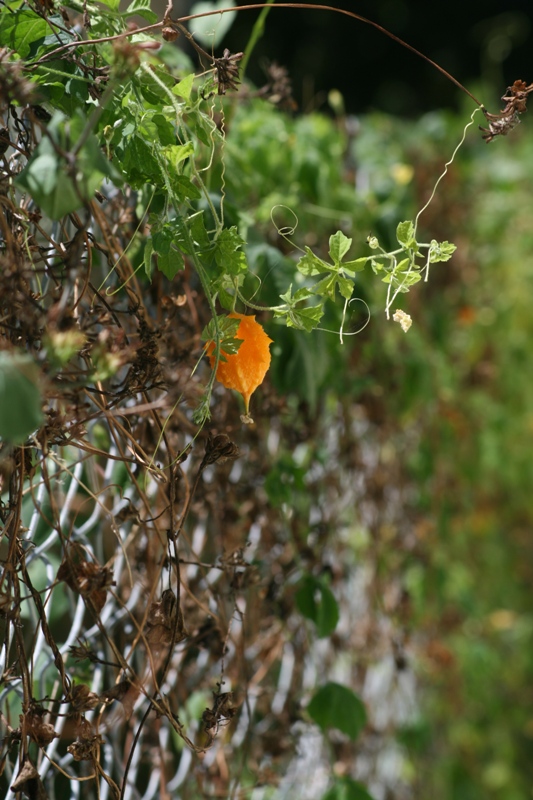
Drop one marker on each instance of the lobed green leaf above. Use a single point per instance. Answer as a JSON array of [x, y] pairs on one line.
[[310, 264], [339, 244], [19, 29], [441, 251], [405, 233], [336, 706]]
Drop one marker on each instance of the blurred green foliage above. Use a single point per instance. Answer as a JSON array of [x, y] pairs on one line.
[[455, 397]]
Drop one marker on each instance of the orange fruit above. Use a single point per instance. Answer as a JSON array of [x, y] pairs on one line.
[[246, 369]]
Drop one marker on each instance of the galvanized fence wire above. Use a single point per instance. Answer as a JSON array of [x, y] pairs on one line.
[[95, 508]]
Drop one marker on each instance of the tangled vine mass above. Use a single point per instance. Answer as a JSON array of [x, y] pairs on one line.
[[167, 577], [157, 590]]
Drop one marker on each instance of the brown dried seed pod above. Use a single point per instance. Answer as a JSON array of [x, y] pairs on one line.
[[169, 34]]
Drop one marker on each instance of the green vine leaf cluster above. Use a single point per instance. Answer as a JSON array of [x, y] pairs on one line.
[[124, 115], [398, 268], [225, 329]]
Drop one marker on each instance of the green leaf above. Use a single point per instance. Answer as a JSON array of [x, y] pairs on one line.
[[403, 266], [44, 177], [148, 252], [155, 127], [210, 31], [142, 9], [170, 263], [184, 187], [311, 265], [177, 153], [64, 93], [40, 176], [203, 127], [56, 187], [345, 287], [355, 266], [192, 228], [20, 29], [403, 280], [346, 788], [440, 251], [197, 230], [405, 233], [288, 297], [411, 278], [326, 287], [112, 4], [184, 87], [300, 294], [228, 255], [315, 601], [227, 328], [55, 34], [138, 163], [151, 89], [339, 244], [336, 706], [305, 319], [20, 397], [225, 298], [162, 239]]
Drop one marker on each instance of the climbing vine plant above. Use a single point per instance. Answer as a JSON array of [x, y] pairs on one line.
[[120, 106]]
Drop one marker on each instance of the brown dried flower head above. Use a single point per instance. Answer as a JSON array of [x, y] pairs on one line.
[[227, 71]]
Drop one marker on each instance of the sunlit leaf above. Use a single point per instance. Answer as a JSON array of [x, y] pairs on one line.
[[184, 87], [405, 233], [19, 29], [339, 244]]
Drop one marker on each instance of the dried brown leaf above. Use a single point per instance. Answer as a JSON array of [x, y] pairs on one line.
[[164, 625], [82, 699], [29, 782], [34, 726]]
